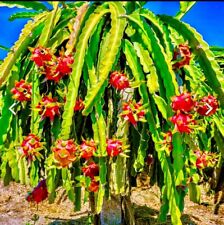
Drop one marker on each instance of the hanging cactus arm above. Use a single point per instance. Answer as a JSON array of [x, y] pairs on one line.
[[184, 8], [159, 57], [73, 86], [51, 20], [163, 31], [116, 33]]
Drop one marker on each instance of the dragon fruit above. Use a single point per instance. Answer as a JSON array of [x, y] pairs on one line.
[[114, 147], [64, 64], [91, 170], [48, 107], [94, 186], [40, 55], [87, 149], [133, 112], [22, 91], [39, 193], [183, 102], [79, 105], [182, 56], [182, 122], [31, 146], [207, 106], [65, 152], [119, 80]]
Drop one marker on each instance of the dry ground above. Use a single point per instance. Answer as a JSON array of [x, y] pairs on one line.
[[15, 210]]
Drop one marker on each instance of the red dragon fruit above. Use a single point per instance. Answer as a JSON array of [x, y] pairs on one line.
[[40, 55], [205, 159], [207, 106], [87, 149], [39, 193], [79, 105], [182, 56], [91, 170], [182, 122], [48, 107], [31, 146], [50, 74], [22, 91], [65, 152], [64, 64], [119, 80], [94, 186], [133, 112], [183, 102], [114, 147]]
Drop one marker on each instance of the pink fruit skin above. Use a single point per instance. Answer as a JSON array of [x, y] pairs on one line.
[[119, 80], [182, 122], [22, 91], [183, 102], [203, 106]]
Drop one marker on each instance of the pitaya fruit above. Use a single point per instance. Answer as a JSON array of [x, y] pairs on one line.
[[22, 91], [182, 56], [65, 152], [183, 102], [39, 193], [182, 122], [91, 170], [40, 55], [207, 106], [119, 80], [114, 147], [94, 186], [133, 112], [48, 107], [79, 105], [64, 64], [87, 149], [31, 146]]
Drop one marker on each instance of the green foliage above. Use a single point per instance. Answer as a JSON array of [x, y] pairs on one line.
[[22, 15], [34, 5], [104, 37], [184, 8]]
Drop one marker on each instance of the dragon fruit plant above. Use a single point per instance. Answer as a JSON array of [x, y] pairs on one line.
[[92, 92]]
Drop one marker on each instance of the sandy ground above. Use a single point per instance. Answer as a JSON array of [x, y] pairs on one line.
[[15, 210]]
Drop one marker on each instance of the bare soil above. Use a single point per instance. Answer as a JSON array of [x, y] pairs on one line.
[[14, 209]]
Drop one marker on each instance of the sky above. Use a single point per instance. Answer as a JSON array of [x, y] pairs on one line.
[[207, 17]]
